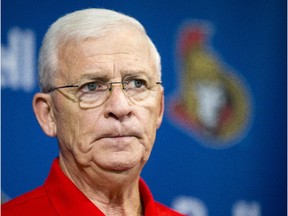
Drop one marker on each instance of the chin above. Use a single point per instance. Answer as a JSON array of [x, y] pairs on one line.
[[121, 164]]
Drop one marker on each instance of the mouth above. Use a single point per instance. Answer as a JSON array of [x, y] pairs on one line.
[[118, 138], [120, 135]]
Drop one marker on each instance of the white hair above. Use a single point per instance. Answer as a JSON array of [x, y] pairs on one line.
[[78, 26]]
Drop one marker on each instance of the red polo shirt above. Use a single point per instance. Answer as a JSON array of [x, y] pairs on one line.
[[59, 196]]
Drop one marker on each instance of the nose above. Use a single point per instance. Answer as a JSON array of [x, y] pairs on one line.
[[118, 105]]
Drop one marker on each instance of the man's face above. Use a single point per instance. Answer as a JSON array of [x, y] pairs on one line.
[[119, 134]]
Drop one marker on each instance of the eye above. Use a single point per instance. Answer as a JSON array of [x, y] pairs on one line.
[[92, 87], [136, 84]]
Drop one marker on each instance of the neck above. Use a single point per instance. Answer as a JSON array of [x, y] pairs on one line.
[[113, 192]]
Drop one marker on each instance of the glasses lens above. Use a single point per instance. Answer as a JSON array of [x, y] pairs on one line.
[[137, 94], [93, 100]]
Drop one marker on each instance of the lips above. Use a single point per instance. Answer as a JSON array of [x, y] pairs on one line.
[[120, 131], [118, 138], [118, 135]]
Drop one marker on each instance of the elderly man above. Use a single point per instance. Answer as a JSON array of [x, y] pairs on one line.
[[102, 97]]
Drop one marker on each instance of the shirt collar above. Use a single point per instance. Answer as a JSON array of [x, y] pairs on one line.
[[67, 199]]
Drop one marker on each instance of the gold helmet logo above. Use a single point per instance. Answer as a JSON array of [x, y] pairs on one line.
[[211, 101]]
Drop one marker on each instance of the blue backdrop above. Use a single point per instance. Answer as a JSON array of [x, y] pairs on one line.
[[221, 149]]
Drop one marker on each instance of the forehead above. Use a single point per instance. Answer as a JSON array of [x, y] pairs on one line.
[[120, 51]]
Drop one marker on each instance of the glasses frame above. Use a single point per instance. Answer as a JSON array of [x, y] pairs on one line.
[[108, 84]]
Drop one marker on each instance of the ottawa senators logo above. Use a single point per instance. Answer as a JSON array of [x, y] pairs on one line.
[[211, 102]]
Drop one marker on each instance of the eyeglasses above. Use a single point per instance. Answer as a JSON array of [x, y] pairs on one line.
[[95, 93]]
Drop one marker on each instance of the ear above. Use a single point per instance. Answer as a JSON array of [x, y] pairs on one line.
[[161, 109], [42, 106]]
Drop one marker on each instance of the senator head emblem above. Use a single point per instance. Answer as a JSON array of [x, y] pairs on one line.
[[212, 102]]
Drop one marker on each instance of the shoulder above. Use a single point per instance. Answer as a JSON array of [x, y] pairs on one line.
[[163, 210], [35, 202]]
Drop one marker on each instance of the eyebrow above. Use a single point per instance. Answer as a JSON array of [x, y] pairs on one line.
[[135, 73], [94, 76], [102, 75]]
